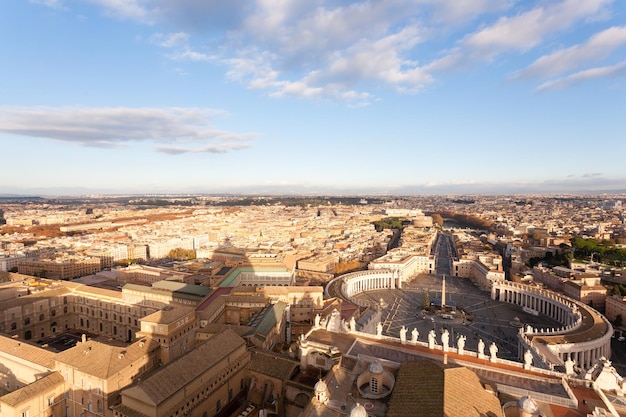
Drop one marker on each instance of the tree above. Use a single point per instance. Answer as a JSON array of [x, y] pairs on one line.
[[618, 320], [426, 301], [181, 254]]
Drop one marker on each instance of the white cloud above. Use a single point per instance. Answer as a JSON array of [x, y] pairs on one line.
[[138, 10], [189, 55], [348, 49], [111, 127], [457, 12], [617, 70], [520, 33], [170, 40], [598, 47], [53, 4]]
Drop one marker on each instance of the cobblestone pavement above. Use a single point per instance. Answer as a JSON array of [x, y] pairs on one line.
[[491, 321]]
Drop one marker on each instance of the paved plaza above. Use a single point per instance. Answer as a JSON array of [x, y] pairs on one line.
[[491, 321]]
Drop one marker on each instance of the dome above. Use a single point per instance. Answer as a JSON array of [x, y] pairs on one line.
[[528, 405], [320, 386], [358, 411], [376, 368]]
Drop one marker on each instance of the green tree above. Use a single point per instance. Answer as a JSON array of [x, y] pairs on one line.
[[426, 301], [181, 254]]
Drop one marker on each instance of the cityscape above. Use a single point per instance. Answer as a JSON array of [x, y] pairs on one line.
[[213, 305], [327, 208]]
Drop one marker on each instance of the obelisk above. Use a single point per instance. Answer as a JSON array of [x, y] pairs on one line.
[[443, 294]]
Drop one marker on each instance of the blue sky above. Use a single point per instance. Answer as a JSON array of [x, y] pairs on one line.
[[334, 96]]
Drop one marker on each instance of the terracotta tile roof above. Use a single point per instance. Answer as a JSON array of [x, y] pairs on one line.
[[23, 350], [171, 378], [41, 386], [428, 388], [273, 365], [168, 315], [343, 341], [102, 360]]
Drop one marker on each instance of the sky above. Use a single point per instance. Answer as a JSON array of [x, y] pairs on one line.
[[315, 96]]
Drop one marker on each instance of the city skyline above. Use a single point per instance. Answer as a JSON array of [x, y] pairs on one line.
[[403, 97]]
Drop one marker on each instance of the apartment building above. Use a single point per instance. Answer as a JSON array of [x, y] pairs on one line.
[[64, 268]]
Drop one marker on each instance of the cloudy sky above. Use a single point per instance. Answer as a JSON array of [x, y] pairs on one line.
[[392, 96]]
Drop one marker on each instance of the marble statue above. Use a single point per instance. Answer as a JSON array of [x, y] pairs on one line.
[[460, 344], [431, 339], [445, 340], [528, 359], [403, 335], [493, 351], [414, 335], [481, 348], [569, 366], [379, 330]]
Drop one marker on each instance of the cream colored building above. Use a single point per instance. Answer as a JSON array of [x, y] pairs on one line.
[[95, 372], [174, 328], [615, 305], [64, 268], [43, 398], [199, 384]]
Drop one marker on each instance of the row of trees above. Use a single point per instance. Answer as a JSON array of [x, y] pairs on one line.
[[603, 251], [180, 254], [390, 223]]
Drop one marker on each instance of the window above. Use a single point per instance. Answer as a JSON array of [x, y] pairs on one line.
[[50, 400], [26, 413], [26, 321]]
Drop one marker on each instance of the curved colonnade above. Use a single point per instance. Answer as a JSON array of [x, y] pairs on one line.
[[585, 335], [373, 279]]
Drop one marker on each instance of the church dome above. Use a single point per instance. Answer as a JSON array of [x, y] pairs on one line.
[[376, 368], [320, 386], [528, 405], [358, 411]]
